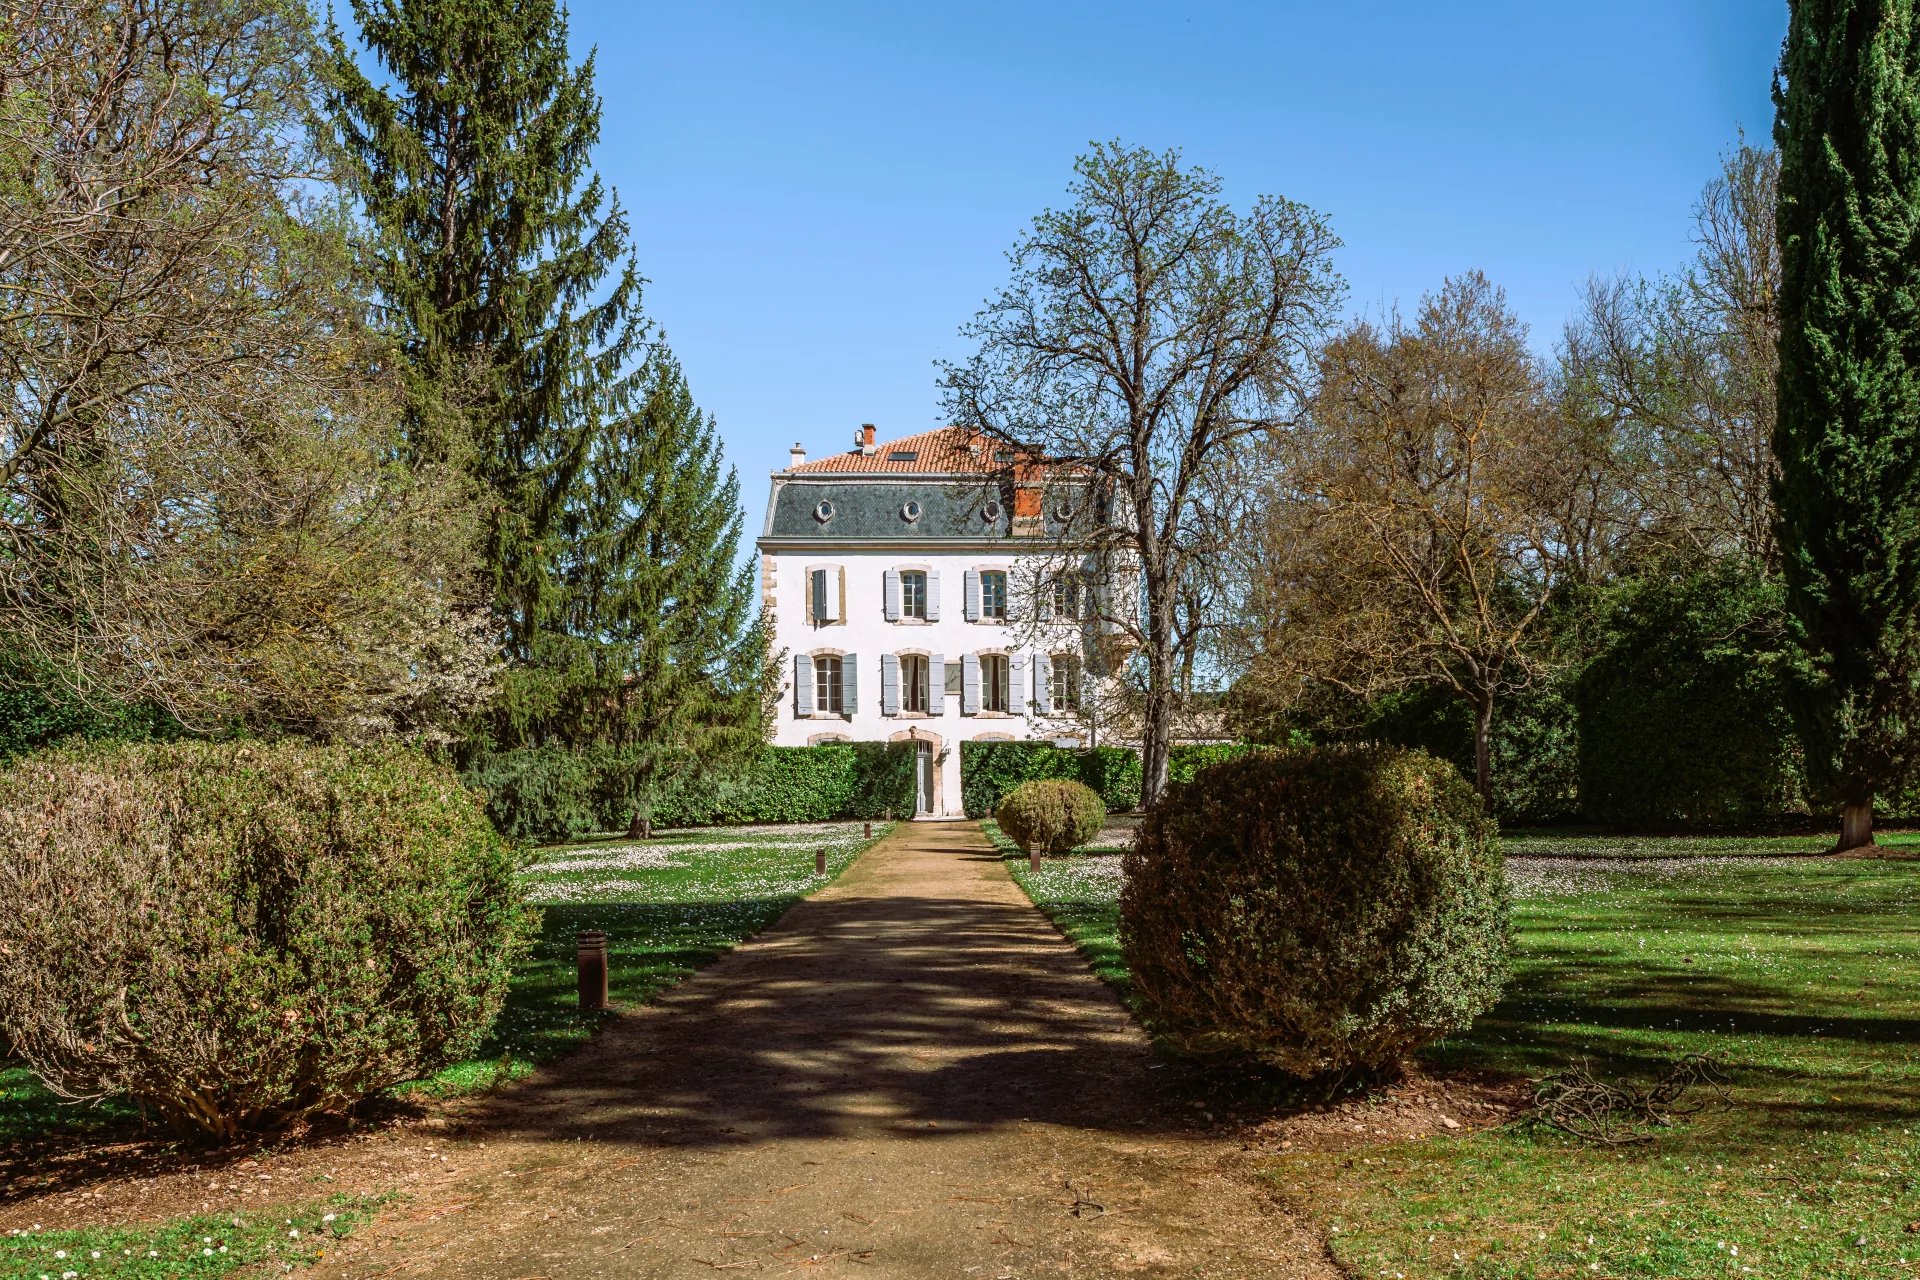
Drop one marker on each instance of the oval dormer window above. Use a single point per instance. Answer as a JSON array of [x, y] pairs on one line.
[[990, 512], [823, 512], [910, 512]]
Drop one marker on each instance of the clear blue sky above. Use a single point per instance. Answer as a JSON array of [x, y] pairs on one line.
[[821, 194]]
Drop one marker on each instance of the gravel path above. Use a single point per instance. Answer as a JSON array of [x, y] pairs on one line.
[[912, 1075]]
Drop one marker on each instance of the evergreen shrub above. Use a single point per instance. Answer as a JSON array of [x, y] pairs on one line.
[[542, 794], [1683, 713], [988, 770], [549, 794], [38, 709], [1323, 910], [1051, 815], [1186, 760], [237, 936], [1535, 743]]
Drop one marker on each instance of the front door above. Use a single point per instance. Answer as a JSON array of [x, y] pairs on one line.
[[923, 781]]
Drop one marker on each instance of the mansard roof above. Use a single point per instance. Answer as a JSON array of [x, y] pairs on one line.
[[867, 509], [951, 485]]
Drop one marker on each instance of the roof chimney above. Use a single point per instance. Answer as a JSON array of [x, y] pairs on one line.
[[797, 456], [867, 446]]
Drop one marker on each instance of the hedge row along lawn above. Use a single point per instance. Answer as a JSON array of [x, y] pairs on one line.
[[1803, 976], [200, 1247], [668, 906]]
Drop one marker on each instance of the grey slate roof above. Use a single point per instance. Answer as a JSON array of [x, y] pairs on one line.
[[867, 510]]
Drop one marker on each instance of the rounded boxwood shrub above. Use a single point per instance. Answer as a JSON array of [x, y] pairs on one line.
[[236, 936], [1323, 910], [1052, 815]]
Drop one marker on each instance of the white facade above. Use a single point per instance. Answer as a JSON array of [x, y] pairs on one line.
[[874, 628]]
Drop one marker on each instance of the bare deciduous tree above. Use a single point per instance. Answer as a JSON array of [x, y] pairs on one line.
[[200, 498], [1149, 340], [1418, 526], [1682, 372]]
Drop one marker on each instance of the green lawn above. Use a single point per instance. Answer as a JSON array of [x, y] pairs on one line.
[[1804, 976], [1530, 843], [201, 1247], [668, 906], [1080, 894]]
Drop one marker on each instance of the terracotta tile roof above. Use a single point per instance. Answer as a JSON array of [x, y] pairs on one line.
[[944, 450]]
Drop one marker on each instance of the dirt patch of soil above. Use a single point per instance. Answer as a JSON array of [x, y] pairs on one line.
[[1419, 1106], [1876, 853], [99, 1183]]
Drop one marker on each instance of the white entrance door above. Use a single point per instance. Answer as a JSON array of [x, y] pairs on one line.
[[923, 781]]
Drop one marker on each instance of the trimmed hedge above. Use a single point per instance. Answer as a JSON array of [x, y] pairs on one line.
[[1185, 761], [1322, 910], [551, 793], [1535, 743], [1682, 714], [240, 935], [37, 709], [1051, 815], [988, 770]]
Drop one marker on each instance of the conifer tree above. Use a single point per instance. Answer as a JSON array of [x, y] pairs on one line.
[[502, 260], [1848, 434], [659, 619]]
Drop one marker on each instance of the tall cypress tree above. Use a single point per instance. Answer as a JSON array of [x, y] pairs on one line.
[[501, 258], [659, 619], [1848, 435]]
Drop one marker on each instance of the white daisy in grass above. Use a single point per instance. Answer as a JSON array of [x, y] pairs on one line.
[[633, 857]]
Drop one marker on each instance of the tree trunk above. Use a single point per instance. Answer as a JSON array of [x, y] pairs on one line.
[[641, 828], [1155, 748], [1156, 736], [1483, 749], [1856, 826]]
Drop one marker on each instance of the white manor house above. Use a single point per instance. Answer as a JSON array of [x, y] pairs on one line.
[[920, 594]]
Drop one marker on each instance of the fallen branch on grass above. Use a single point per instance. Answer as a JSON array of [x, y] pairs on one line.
[[1579, 1103]]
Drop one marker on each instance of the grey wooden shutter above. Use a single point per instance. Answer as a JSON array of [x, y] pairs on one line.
[[890, 595], [849, 684], [1043, 684], [973, 596], [937, 685], [802, 685], [970, 684], [826, 595], [889, 685], [933, 595], [1017, 684]]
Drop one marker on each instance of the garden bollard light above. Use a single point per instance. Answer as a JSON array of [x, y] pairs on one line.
[[1033, 860], [866, 832], [593, 969], [819, 862]]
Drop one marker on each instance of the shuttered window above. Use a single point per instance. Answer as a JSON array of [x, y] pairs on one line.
[[995, 682], [1069, 597], [993, 594], [913, 682], [913, 594], [829, 690], [1064, 688], [823, 595]]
